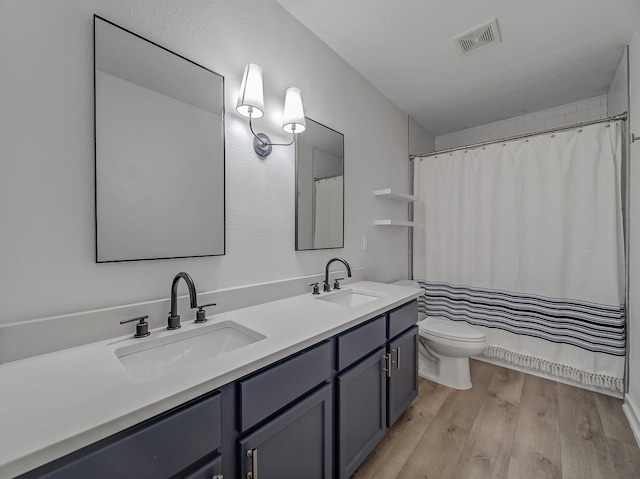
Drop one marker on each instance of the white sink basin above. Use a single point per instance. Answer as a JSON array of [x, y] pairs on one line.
[[151, 359], [350, 297]]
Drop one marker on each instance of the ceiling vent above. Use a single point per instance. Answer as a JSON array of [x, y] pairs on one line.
[[481, 37]]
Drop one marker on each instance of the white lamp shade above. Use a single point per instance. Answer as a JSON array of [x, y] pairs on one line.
[[251, 98], [293, 120]]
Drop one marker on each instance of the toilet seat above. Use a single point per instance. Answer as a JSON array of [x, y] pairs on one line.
[[450, 330]]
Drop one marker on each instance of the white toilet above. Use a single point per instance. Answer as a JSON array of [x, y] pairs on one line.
[[445, 347]]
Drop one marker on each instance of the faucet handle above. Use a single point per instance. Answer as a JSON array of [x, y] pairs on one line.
[[142, 328], [336, 284], [200, 314], [316, 288]]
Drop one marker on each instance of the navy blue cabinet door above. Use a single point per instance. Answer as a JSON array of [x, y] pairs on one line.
[[403, 380], [296, 444], [361, 399]]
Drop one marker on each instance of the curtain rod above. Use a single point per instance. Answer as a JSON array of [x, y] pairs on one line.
[[620, 117]]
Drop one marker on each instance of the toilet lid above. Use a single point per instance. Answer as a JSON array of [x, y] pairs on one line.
[[447, 329]]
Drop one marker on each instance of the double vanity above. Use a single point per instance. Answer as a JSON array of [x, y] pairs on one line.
[[273, 384], [299, 387]]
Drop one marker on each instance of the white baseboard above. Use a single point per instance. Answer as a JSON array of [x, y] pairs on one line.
[[632, 411]]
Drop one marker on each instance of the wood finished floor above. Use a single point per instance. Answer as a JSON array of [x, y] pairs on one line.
[[510, 425]]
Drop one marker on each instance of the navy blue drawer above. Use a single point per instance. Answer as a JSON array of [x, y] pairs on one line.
[[159, 447], [360, 341], [270, 390], [208, 469], [402, 318]]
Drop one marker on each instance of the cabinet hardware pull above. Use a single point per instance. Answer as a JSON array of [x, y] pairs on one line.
[[398, 358], [253, 454], [387, 358]]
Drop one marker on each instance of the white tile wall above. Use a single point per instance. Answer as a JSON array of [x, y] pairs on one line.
[[563, 115]]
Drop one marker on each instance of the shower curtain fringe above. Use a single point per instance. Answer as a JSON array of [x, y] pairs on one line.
[[611, 119], [555, 369]]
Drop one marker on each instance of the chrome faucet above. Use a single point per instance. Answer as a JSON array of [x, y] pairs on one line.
[[326, 288], [174, 317]]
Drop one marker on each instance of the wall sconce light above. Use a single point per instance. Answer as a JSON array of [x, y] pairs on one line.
[[251, 105]]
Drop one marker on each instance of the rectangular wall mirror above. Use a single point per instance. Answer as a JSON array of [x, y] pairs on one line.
[[159, 139], [319, 188]]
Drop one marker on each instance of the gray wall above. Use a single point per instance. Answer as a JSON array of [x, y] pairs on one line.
[[632, 399], [420, 140], [46, 146]]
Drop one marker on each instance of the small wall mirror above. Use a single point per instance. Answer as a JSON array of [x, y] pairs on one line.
[[319, 188], [159, 138]]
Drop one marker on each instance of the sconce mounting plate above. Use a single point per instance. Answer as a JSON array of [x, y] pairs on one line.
[[262, 145]]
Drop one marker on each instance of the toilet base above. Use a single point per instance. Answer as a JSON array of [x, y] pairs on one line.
[[448, 371]]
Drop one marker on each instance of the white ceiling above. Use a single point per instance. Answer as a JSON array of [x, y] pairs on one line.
[[552, 52]]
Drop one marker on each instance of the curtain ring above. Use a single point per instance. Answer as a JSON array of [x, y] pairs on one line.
[[553, 134]]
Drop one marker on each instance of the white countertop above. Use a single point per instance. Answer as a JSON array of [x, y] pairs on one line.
[[56, 403]]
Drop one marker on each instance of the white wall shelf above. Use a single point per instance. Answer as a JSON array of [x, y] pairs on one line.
[[393, 223], [392, 195]]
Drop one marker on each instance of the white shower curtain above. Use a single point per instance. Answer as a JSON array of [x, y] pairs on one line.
[[328, 213], [523, 239]]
